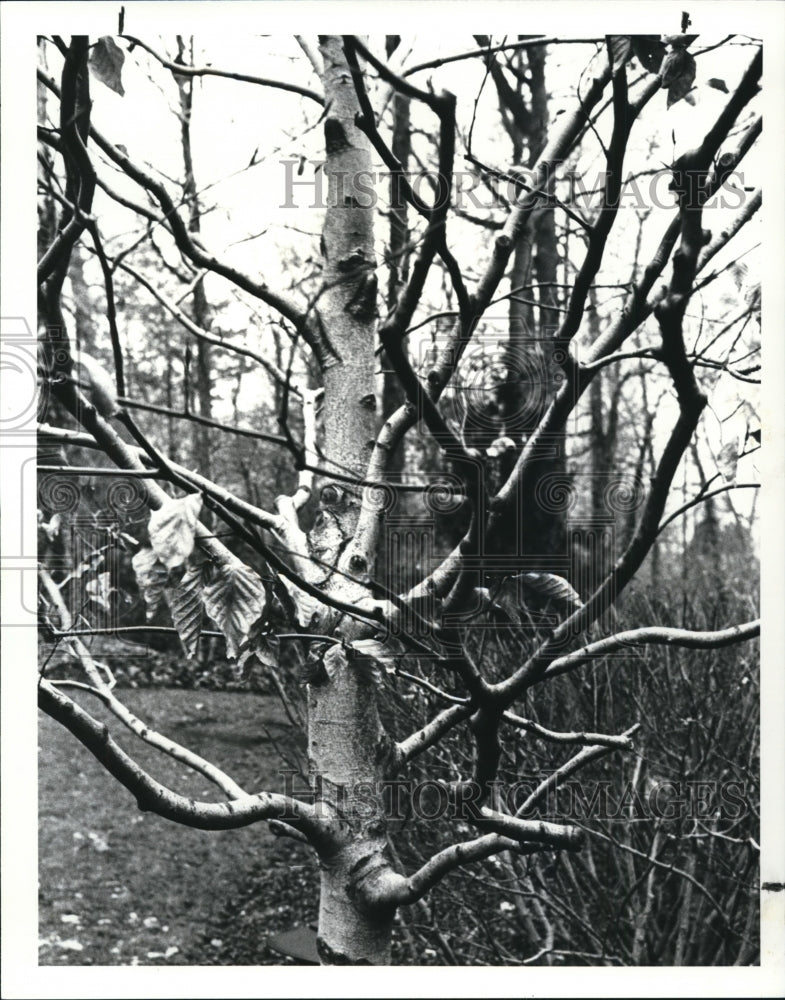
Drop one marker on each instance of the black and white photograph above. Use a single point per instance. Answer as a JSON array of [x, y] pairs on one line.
[[393, 499]]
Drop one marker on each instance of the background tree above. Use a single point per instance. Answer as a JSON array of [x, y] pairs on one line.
[[291, 579]]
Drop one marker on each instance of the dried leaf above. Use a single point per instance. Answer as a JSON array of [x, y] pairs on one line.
[[306, 606], [386, 652], [106, 63], [552, 586], [259, 646], [738, 271], [727, 460], [186, 605], [671, 67], [717, 84], [621, 47], [649, 51], [677, 74], [151, 575], [234, 599], [172, 529], [752, 299], [499, 447], [100, 589], [679, 42]]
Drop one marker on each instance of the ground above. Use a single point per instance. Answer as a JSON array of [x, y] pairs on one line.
[[122, 887]]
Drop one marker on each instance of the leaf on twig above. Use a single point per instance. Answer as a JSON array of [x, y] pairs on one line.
[[727, 460], [106, 63], [621, 48], [234, 599], [677, 73], [717, 84], [739, 272], [679, 41], [52, 528], [186, 605], [172, 529], [100, 589], [386, 652], [151, 575], [306, 606], [552, 586], [649, 51], [259, 646], [499, 447]]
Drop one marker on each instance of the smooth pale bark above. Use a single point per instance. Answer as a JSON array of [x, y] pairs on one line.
[[348, 748]]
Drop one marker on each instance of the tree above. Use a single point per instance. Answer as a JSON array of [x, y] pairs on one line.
[[301, 573]]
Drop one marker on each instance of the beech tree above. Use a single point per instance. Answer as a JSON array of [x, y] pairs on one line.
[[362, 392]]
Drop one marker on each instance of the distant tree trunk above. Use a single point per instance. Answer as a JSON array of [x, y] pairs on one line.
[[171, 423], [393, 395], [86, 336], [47, 210], [528, 356], [200, 311], [603, 424]]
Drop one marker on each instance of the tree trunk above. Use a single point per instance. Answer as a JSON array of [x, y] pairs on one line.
[[348, 751], [528, 355], [200, 310], [348, 748], [393, 395]]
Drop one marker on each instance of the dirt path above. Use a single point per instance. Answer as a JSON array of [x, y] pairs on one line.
[[121, 887]]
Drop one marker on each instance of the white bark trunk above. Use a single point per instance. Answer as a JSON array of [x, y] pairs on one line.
[[348, 748]]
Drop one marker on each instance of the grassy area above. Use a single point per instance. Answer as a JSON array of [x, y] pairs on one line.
[[122, 887]]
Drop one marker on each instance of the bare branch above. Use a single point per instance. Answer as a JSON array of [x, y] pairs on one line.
[[666, 867], [306, 476], [152, 796], [506, 47], [424, 738], [209, 338], [751, 206], [589, 739], [653, 636], [134, 404], [408, 89], [184, 240], [178, 69], [703, 497], [102, 690], [410, 889], [624, 116], [570, 767], [553, 154], [312, 54], [533, 830], [74, 123]]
